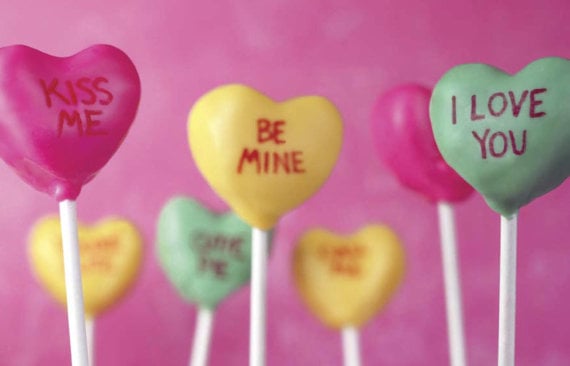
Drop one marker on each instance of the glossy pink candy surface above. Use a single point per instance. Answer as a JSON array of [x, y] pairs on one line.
[[402, 135], [61, 119]]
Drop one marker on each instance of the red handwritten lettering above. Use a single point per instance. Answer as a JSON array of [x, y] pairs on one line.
[[498, 104], [474, 115], [268, 162], [248, 157], [65, 119], [517, 106], [493, 145], [83, 85], [269, 131], [108, 96], [491, 107], [535, 103], [92, 124], [51, 90], [498, 144]]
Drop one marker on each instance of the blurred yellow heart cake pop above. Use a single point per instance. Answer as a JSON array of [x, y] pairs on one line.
[[345, 281], [110, 252]]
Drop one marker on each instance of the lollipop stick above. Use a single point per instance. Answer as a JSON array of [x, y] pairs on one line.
[[455, 333], [260, 242], [74, 290], [202, 337], [350, 346], [507, 291], [90, 330]]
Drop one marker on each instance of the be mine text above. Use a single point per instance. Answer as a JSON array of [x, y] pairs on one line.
[[271, 161]]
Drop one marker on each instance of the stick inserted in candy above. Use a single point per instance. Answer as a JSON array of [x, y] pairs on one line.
[[345, 281], [263, 158], [61, 120], [111, 255], [401, 131], [508, 137], [206, 257]]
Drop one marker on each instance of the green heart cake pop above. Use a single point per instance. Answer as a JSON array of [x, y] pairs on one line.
[[205, 256], [505, 135]]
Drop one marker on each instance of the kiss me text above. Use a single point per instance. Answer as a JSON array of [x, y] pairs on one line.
[[83, 101]]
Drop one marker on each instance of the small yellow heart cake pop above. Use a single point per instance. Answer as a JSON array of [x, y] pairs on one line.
[[111, 254], [345, 281]]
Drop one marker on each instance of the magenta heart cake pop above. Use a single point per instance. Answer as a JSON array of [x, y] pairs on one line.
[[62, 118]]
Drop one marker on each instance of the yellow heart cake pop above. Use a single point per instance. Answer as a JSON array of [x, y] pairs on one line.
[[110, 252], [345, 281], [263, 157]]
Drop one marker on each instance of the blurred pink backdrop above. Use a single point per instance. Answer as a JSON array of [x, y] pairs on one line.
[[349, 51]]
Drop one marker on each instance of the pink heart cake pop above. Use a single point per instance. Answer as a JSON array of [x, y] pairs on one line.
[[62, 118], [401, 131]]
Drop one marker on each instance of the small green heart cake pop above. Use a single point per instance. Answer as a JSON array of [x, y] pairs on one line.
[[206, 257]]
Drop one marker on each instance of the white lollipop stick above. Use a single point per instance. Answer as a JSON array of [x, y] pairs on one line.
[[350, 346], [90, 330], [74, 290], [508, 291], [202, 337], [259, 244], [455, 333]]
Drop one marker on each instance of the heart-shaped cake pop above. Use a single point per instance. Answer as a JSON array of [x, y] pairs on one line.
[[401, 131], [345, 281], [61, 119], [110, 253], [505, 135], [205, 256], [264, 158]]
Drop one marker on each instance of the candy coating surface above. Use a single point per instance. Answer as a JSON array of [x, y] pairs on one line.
[[262, 157], [110, 254], [204, 255], [345, 281], [505, 135], [62, 118], [402, 134]]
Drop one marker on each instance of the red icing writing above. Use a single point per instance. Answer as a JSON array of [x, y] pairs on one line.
[[206, 243], [93, 91], [87, 125], [271, 161], [210, 246], [343, 260], [97, 253], [87, 92], [216, 266], [497, 144], [96, 264], [270, 131], [498, 105]]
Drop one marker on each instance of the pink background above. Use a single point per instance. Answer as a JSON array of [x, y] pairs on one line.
[[349, 51]]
